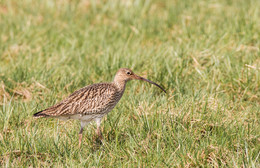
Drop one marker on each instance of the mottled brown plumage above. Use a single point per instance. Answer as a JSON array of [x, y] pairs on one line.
[[93, 99], [92, 102]]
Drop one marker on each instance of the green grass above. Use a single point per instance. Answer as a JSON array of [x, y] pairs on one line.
[[206, 53]]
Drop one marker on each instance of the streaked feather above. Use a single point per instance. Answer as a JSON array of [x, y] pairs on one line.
[[94, 99]]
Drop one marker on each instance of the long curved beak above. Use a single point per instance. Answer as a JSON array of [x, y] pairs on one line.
[[143, 79]]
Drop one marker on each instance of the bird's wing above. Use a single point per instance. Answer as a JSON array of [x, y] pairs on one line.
[[91, 99]]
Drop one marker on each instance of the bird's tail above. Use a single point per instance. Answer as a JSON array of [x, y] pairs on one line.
[[39, 114]]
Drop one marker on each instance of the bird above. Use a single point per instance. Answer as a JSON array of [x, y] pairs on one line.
[[92, 102]]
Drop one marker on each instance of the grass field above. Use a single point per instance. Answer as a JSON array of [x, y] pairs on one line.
[[205, 53]]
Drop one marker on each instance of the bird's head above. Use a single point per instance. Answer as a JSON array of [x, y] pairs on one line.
[[125, 74]]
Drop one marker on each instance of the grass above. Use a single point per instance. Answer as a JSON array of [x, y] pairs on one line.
[[206, 53]]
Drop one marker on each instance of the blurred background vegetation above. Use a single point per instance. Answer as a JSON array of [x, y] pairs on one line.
[[205, 53]]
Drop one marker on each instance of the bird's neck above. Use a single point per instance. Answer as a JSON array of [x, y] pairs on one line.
[[120, 84]]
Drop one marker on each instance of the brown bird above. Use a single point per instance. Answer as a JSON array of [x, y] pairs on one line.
[[92, 102]]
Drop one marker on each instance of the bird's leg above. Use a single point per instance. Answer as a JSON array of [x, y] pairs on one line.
[[83, 124], [98, 121], [99, 133], [80, 136]]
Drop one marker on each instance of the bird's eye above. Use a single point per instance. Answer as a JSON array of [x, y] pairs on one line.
[[128, 73]]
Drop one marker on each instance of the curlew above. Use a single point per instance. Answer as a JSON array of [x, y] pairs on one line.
[[93, 102]]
